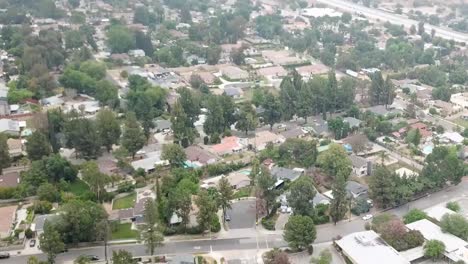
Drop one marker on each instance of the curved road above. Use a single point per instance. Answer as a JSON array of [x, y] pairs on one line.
[[375, 14]]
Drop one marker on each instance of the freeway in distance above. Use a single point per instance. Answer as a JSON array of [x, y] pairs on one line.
[[375, 14]]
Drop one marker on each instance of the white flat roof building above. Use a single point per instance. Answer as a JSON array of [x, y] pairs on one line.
[[455, 248], [438, 211], [368, 248]]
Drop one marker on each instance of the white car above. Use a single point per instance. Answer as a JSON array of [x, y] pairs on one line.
[[367, 217]]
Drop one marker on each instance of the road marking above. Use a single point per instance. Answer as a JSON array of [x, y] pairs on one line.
[[197, 247]]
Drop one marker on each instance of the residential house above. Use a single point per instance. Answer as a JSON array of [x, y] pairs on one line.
[[309, 71], [9, 179], [367, 247], [237, 180], [10, 127], [263, 138], [234, 73], [317, 126], [282, 174], [425, 133], [15, 147], [353, 122], [39, 222], [356, 190], [229, 145], [381, 110], [445, 108], [275, 72], [162, 125], [452, 137], [294, 133], [456, 249], [198, 156], [148, 161], [7, 220], [460, 99], [281, 57], [234, 92], [361, 166]]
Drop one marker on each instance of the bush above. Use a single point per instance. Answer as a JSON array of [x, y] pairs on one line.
[[41, 207], [321, 219], [414, 215], [215, 225], [29, 233], [7, 193], [454, 206], [268, 223], [125, 187]]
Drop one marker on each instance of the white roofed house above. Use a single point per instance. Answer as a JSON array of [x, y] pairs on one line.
[[10, 127], [368, 248], [360, 165]]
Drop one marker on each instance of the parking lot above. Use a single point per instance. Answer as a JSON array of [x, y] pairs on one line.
[[242, 214]]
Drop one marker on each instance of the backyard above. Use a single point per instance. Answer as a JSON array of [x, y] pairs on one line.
[[124, 202], [78, 187]]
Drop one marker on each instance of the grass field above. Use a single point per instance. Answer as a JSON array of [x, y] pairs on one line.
[[124, 202], [243, 192], [78, 187], [461, 122], [124, 231]]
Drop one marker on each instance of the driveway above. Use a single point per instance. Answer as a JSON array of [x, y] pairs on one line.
[[242, 214]]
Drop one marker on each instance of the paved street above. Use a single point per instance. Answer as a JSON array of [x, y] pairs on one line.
[[257, 240], [242, 214], [375, 14]]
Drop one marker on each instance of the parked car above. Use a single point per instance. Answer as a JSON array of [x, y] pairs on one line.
[[227, 217], [367, 217], [32, 242], [4, 255]]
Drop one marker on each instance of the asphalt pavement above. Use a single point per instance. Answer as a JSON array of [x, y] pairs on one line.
[[376, 14]]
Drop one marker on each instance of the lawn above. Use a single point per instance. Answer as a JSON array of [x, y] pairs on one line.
[[124, 231], [461, 122], [243, 192], [124, 202], [78, 187]]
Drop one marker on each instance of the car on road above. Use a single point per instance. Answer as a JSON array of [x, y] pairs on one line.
[[367, 217], [92, 257], [4, 255], [32, 242]]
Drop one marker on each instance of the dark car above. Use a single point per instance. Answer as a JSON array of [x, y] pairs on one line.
[[4, 255], [32, 242], [92, 257]]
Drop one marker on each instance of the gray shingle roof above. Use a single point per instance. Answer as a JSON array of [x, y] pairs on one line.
[[284, 173]]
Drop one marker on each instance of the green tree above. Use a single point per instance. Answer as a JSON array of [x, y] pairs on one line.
[[93, 69], [120, 39], [414, 215], [272, 107], [207, 209], [265, 183], [181, 201], [81, 134], [288, 98], [335, 161], [108, 128], [414, 137], [182, 126], [175, 154], [106, 93], [150, 234], [48, 192], [133, 138], [122, 257], [339, 203], [226, 194], [442, 165], [299, 232], [96, 180], [51, 243], [247, 120], [382, 187], [434, 249], [37, 146], [4, 154], [302, 192]]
